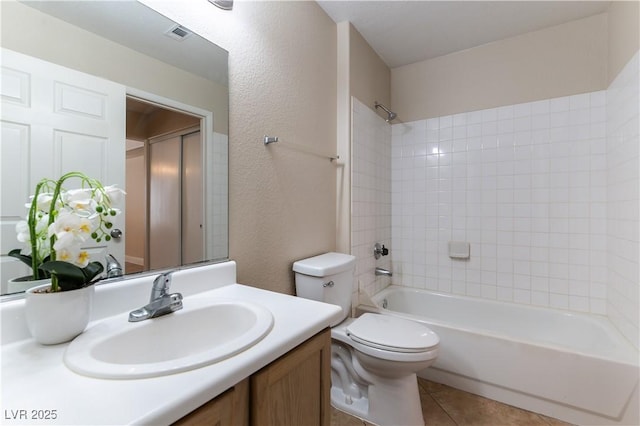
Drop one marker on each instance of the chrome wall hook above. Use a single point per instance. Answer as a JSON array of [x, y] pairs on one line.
[[270, 139]]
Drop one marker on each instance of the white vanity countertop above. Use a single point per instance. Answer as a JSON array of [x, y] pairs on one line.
[[36, 383]]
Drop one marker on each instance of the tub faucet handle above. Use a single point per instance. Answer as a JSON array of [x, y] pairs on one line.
[[380, 250]]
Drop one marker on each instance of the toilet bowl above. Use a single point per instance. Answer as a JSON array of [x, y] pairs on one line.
[[374, 358], [391, 346]]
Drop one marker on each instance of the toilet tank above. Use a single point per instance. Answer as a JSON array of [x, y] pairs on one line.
[[326, 278]]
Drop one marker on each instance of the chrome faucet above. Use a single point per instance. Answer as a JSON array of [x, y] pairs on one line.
[[113, 268], [161, 302], [380, 271]]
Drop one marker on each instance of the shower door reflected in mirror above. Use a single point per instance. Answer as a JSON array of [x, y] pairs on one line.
[[175, 201], [166, 175]]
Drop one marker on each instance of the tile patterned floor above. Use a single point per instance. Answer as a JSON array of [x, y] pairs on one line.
[[445, 406]]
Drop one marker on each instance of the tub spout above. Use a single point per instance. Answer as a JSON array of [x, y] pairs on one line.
[[380, 271]]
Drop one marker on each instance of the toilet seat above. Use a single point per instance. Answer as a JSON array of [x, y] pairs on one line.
[[389, 333]]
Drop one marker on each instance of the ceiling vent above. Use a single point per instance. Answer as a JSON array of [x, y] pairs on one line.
[[178, 32]]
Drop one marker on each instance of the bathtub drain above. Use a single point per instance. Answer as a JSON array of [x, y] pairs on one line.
[[384, 303]]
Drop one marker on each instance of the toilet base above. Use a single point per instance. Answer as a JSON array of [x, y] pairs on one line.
[[388, 409], [383, 392], [380, 404], [358, 407]]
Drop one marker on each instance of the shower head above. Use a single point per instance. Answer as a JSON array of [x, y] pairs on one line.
[[390, 114]]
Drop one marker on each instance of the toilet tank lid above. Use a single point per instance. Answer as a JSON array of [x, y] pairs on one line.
[[325, 264]]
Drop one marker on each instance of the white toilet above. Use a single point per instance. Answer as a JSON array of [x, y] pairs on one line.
[[374, 358]]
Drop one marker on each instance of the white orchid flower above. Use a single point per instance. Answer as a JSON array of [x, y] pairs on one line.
[[44, 202], [73, 254], [68, 253], [81, 200], [69, 228], [42, 224], [115, 194], [65, 240], [61, 222], [22, 229], [44, 247], [82, 258]]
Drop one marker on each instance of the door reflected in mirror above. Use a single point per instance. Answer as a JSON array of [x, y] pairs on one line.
[[175, 93], [164, 182]]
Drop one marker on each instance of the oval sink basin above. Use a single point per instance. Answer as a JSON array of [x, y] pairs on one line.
[[205, 331]]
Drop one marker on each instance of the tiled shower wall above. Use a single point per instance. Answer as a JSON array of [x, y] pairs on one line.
[[524, 184], [218, 198], [623, 205], [545, 192], [370, 198]]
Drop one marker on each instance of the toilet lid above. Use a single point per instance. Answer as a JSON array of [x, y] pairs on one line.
[[392, 333]]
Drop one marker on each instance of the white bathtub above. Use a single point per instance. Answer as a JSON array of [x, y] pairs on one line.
[[577, 368]]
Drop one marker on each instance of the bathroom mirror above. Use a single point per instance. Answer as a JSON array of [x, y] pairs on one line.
[[176, 104]]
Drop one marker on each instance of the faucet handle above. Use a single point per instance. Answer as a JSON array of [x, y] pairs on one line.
[[161, 285], [176, 301], [380, 250]]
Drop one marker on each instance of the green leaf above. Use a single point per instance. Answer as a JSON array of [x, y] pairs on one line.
[[92, 270], [21, 257], [26, 259], [72, 277]]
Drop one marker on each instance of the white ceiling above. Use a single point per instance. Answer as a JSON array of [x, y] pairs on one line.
[[404, 32], [400, 31]]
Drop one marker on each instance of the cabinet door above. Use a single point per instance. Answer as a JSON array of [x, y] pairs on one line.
[[295, 389], [229, 409]]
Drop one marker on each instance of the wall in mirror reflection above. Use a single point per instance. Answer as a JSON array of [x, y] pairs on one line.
[[38, 34]]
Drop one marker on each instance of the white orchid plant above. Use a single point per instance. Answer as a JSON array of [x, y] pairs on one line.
[[59, 223]]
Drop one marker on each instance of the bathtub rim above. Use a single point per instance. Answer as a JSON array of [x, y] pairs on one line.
[[632, 358]]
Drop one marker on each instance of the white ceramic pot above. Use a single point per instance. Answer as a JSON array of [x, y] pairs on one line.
[[21, 284], [54, 318]]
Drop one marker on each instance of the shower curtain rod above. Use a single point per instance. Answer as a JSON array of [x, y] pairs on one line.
[[301, 148]]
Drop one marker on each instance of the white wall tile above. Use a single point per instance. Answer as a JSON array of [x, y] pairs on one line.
[[529, 185], [623, 200], [546, 192], [374, 154]]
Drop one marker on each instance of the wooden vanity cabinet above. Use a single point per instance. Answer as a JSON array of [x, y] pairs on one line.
[[229, 409], [293, 390]]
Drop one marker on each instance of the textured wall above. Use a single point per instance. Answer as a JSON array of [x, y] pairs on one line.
[[363, 76], [282, 82], [624, 35], [370, 77], [558, 61]]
